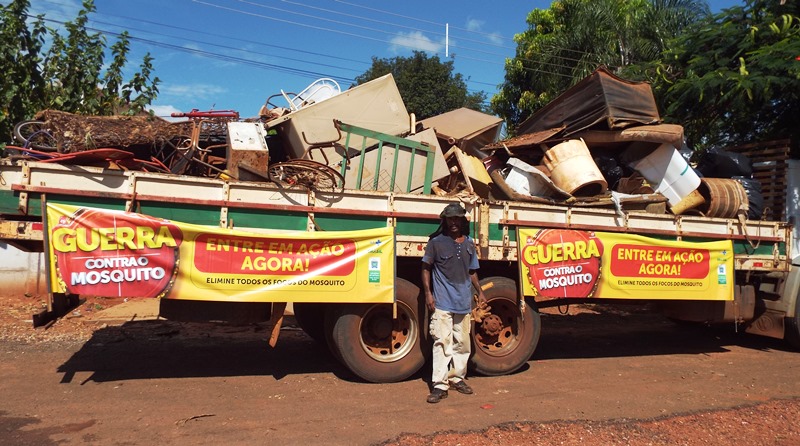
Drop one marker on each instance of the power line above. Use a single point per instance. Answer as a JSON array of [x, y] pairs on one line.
[[441, 25], [539, 70], [491, 35], [208, 53], [408, 17], [239, 11], [455, 45], [224, 57], [253, 42], [352, 25], [250, 62], [230, 47]]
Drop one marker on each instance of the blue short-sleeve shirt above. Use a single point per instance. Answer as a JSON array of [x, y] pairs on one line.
[[450, 265]]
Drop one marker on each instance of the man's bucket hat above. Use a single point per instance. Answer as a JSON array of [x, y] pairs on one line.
[[453, 210]]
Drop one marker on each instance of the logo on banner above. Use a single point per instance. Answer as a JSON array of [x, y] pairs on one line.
[[563, 263], [115, 254], [374, 270]]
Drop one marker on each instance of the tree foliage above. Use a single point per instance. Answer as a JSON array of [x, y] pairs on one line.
[[427, 85], [736, 78], [43, 69], [565, 43], [22, 84]]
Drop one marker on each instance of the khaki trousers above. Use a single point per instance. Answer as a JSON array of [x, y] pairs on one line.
[[451, 347]]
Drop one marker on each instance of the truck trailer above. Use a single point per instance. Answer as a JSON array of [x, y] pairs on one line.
[[328, 204], [695, 268]]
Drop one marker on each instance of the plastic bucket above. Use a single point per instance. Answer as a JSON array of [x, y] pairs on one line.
[[667, 170], [573, 170], [724, 197]]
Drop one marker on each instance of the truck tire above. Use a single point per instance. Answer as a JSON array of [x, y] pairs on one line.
[[377, 348], [791, 326], [331, 316], [506, 340], [311, 318], [317, 320]]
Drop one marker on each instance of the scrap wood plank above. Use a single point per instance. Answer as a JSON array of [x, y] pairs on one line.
[[770, 166]]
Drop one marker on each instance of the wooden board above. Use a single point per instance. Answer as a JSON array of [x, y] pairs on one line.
[[770, 164]]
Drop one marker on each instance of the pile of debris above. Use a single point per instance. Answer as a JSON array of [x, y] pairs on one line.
[[603, 139], [600, 143]]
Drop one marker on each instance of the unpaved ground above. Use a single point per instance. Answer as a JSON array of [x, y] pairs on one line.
[[599, 377]]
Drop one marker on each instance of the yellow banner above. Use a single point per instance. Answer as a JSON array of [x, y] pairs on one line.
[[113, 253], [559, 263]]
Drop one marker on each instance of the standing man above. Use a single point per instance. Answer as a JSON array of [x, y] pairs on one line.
[[448, 278]]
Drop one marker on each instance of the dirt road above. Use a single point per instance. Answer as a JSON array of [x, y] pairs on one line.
[[597, 378]]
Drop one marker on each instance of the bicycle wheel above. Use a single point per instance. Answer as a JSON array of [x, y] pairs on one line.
[[35, 135], [309, 174], [330, 171]]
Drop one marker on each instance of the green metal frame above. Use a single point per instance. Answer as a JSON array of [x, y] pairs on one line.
[[398, 143]]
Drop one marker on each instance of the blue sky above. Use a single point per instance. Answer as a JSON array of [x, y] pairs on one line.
[[234, 54]]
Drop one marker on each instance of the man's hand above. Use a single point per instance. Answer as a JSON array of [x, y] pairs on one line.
[[481, 310], [481, 298], [430, 302]]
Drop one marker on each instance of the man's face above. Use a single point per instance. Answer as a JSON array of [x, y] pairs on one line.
[[453, 225]]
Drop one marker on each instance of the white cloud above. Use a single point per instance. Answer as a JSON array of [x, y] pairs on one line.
[[165, 111], [495, 38], [206, 54], [191, 91], [475, 25], [192, 47], [404, 42]]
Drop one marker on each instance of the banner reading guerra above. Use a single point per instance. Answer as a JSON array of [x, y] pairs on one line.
[[115, 253], [558, 263]]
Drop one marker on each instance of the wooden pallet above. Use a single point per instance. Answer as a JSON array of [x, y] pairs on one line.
[[770, 165]]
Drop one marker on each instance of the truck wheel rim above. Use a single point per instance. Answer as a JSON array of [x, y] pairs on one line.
[[384, 339], [505, 340]]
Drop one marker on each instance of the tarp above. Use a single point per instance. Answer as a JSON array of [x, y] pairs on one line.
[[600, 101]]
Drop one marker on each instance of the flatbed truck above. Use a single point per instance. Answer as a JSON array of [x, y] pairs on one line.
[[386, 342]]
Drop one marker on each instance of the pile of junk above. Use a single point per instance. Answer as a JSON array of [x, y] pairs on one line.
[[601, 143]]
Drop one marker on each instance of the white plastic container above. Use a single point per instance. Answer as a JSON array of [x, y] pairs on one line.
[[528, 180], [668, 172], [518, 177], [573, 169]]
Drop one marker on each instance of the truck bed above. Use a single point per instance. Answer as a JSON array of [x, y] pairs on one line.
[[260, 207]]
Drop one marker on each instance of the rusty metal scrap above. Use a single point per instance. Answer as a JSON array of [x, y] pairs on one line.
[[76, 133], [300, 144]]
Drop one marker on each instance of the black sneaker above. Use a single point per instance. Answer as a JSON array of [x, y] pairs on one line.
[[462, 387], [437, 395]]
